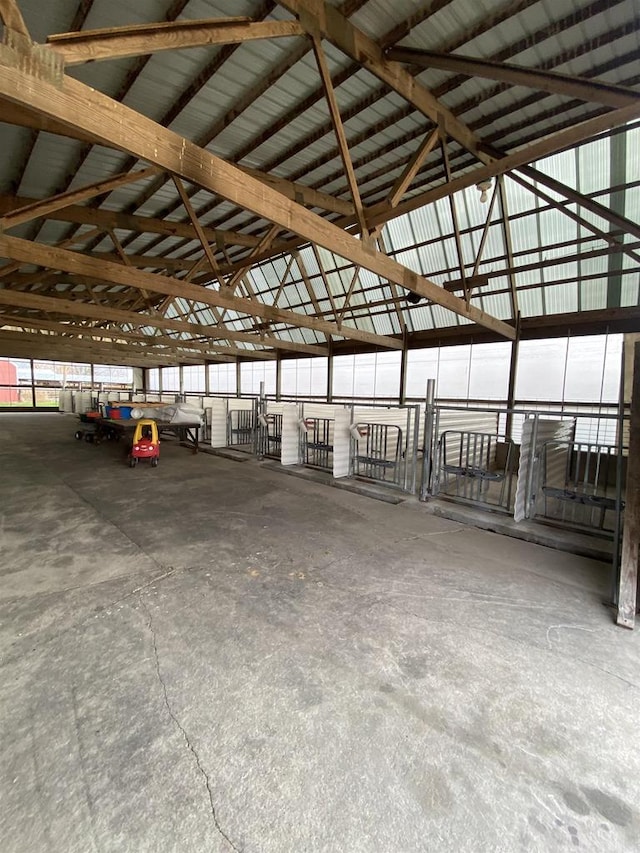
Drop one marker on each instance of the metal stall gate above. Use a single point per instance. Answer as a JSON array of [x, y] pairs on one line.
[[316, 440], [470, 459], [385, 445], [467, 467], [269, 441], [578, 485], [241, 423]]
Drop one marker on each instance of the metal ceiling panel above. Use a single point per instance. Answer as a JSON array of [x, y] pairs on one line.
[[48, 166], [382, 130]]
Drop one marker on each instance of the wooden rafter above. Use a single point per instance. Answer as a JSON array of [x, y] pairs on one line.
[[67, 352], [102, 312], [327, 21], [263, 245], [120, 126], [577, 132], [403, 182], [302, 194], [72, 262], [338, 129], [213, 263], [106, 219], [349, 294], [506, 233], [485, 231], [95, 333], [36, 209], [53, 343], [582, 88], [143, 39], [454, 219], [12, 17]]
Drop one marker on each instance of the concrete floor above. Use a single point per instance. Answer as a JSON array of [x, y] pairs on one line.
[[210, 656]]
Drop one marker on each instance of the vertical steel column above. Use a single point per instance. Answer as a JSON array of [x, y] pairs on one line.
[[513, 374], [33, 385], [238, 377], [403, 366], [207, 380], [181, 382], [278, 377], [427, 450], [160, 382], [628, 586], [330, 371]]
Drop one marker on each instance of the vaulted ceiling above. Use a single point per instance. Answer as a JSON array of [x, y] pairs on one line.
[[200, 181]]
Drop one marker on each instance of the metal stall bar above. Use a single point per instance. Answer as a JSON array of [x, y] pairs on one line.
[[241, 425], [582, 494], [381, 457], [317, 450], [273, 436], [468, 468]]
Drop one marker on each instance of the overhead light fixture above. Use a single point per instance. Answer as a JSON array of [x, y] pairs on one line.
[[413, 297], [483, 188]]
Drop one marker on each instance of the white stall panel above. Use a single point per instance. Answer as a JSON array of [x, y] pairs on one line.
[[341, 443], [290, 453], [218, 414]]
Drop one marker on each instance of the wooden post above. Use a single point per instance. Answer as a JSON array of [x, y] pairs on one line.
[[628, 587]]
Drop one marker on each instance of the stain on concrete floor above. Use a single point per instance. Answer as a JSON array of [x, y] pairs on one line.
[[214, 657]]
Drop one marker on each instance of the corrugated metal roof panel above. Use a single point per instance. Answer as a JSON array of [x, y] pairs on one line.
[[630, 290], [530, 303]]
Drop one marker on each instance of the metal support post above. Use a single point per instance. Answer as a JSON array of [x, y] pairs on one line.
[[278, 377], [513, 373], [33, 385], [427, 450], [403, 366]]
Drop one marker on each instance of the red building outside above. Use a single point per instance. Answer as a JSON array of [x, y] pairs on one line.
[[8, 376]]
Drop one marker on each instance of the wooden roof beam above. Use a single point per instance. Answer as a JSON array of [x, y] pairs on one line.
[[20, 215], [143, 39], [106, 219], [12, 17], [121, 127], [558, 141], [24, 349], [93, 332], [338, 129], [584, 89], [330, 23], [74, 263], [102, 312], [302, 194], [38, 342]]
